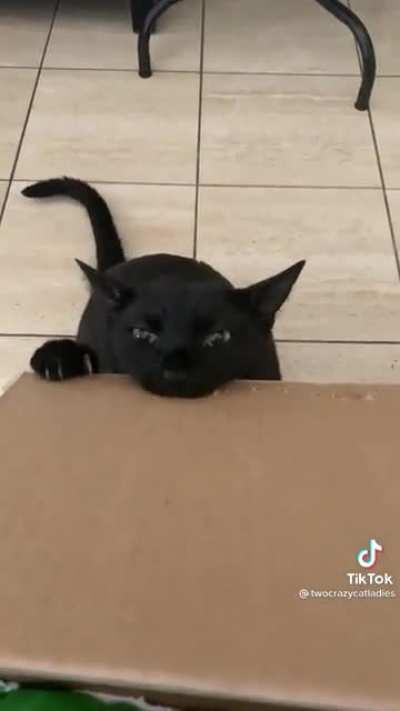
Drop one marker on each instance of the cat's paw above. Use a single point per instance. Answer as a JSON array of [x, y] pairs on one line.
[[60, 360]]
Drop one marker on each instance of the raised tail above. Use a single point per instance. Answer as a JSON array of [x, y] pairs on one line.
[[108, 245]]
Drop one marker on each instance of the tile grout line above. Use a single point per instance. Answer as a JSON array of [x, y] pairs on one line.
[[384, 192], [29, 109], [223, 72], [195, 71], [256, 186], [338, 341], [198, 148], [272, 186], [123, 183], [381, 174], [37, 335]]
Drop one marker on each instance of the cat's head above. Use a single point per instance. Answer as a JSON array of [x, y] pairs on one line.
[[186, 340]]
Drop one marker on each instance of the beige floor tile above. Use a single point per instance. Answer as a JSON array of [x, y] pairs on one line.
[[98, 34], [15, 354], [16, 89], [269, 36], [349, 289], [43, 290], [23, 31], [285, 130], [386, 117], [394, 204], [382, 18], [340, 363], [3, 190], [112, 126]]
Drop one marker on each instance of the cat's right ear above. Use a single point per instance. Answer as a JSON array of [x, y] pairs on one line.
[[266, 297], [113, 290]]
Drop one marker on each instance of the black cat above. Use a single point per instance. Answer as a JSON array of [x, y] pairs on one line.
[[176, 325]]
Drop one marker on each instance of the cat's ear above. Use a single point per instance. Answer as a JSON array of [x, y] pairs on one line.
[[267, 296], [114, 291]]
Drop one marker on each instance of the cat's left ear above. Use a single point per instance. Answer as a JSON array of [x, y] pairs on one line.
[[113, 290], [267, 296]]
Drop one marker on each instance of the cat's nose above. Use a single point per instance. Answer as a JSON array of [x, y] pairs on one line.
[[176, 360]]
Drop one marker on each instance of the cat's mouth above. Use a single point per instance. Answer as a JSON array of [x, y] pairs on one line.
[[170, 384], [174, 376]]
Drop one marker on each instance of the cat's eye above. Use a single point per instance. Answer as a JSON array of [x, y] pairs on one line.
[[216, 338], [142, 334], [154, 323]]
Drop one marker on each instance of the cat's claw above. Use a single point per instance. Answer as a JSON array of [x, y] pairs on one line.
[[87, 359], [60, 360]]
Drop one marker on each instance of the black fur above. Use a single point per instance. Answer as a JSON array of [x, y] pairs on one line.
[[174, 324], [108, 246]]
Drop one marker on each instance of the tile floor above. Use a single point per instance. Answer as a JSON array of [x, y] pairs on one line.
[[244, 149]]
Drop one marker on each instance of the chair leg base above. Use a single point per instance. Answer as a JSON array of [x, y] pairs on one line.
[[362, 105], [158, 8], [145, 14], [145, 73], [364, 45]]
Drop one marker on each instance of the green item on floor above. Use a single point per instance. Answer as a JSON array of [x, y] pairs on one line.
[[36, 700]]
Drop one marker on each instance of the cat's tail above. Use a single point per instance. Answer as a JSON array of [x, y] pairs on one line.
[[108, 245]]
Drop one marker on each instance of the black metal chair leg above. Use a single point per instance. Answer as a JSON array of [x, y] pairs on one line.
[[364, 43], [139, 11], [144, 36]]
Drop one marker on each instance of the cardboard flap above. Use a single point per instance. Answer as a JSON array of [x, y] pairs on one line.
[[162, 543]]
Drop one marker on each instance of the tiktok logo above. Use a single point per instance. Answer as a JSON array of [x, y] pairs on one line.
[[366, 557]]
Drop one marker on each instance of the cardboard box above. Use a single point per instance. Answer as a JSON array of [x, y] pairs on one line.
[[160, 545]]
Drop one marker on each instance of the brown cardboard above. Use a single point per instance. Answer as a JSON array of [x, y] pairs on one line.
[[159, 544]]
